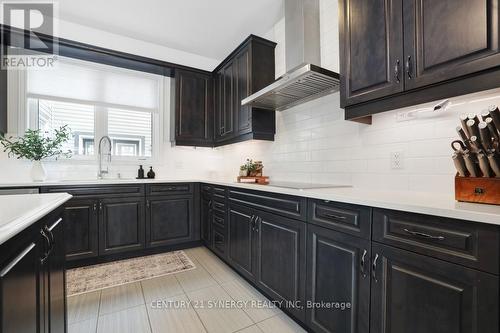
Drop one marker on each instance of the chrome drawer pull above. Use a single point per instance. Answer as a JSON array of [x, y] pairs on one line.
[[14, 262], [363, 258], [423, 235], [337, 217]]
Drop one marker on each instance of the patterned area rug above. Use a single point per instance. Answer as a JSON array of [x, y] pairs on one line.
[[90, 278]]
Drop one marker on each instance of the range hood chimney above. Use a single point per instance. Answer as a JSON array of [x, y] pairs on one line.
[[304, 80]]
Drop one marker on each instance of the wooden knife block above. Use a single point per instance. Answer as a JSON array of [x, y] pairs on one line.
[[477, 190]]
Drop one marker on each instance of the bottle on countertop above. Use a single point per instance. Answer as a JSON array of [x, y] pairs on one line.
[[140, 173], [151, 173]]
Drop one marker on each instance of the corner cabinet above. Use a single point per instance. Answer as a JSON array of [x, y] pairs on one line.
[[32, 282], [245, 71], [396, 53], [193, 108]]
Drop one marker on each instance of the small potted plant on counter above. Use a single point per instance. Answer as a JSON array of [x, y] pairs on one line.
[[37, 146]]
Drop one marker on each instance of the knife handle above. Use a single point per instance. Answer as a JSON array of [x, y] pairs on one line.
[[463, 122], [493, 129], [485, 135], [484, 165], [472, 128], [475, 144], [459, 162], [471, 165], [495, 115], [494, 160]]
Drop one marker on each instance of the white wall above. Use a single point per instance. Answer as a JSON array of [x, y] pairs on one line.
[[314, 143]]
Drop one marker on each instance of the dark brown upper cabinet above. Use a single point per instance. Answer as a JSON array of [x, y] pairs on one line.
[[246, 70], [193, 108], [397, 53], [372, 50]]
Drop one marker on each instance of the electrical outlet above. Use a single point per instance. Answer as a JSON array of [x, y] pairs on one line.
[[397, 159]]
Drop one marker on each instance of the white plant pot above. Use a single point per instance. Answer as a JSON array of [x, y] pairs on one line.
[[38, 173]]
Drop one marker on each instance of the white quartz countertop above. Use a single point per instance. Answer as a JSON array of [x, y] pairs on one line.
[[416, 202], [19, 211]]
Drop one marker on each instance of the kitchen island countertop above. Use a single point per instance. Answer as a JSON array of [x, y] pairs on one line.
[[19, 211]]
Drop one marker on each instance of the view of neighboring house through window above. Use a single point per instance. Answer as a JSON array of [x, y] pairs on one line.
[[96, 100]]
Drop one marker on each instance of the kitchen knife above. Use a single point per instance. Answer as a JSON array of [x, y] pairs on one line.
[[463, 135], [494, 159], [484, 165], [471, 164], [485, 135], [493, 130], [472, 128], [475, 144], [463, 121], [495, 115], [459, 162]]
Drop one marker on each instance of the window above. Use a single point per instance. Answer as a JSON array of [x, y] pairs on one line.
[[97, 100]]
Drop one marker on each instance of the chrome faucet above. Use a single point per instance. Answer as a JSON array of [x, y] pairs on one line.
[[101, 172]]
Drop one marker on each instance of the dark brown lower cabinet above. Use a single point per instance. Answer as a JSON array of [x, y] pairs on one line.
[[338, 282], [19, 291], [241, 240], [412, 293], [80, 228], [169, 220], [32, 282], [121, 225], [280, 253]]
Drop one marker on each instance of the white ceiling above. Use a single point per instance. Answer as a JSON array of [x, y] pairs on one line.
[[211, 28]]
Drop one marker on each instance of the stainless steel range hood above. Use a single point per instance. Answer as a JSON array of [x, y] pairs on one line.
[[304, 80]]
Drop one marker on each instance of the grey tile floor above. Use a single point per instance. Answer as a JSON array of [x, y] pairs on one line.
[[148, 306]]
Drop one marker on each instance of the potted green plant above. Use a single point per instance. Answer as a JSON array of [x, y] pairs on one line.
[[36, 146]]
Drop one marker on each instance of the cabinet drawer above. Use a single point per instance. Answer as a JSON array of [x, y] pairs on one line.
[[219, 241], [351, 219], [218, 206], [167, 189], [218, 219], [285, 205], [474, 245], [98, 190]]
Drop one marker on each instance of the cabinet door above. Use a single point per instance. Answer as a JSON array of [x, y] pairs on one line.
[[122, 225], [206, 218], [226, 95], [240, 252], [170, 220], [281, 258], [243, 88], [80, 229], [371, 54], [448, 39], [193, 108], [19, 292], [338, 272], [57, 281], [412, 293]]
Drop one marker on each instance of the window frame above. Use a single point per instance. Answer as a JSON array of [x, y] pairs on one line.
[[21, 120]]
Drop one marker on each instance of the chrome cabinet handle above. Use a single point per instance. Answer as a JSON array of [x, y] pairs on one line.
[[258, 220], [16, 260], [47, 240], [423, 235], [396, 71], [100, 205], [409, 67], [148, 204], [374, 268], [95, 207], [363, 258], [252, 222], [337, 217]]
